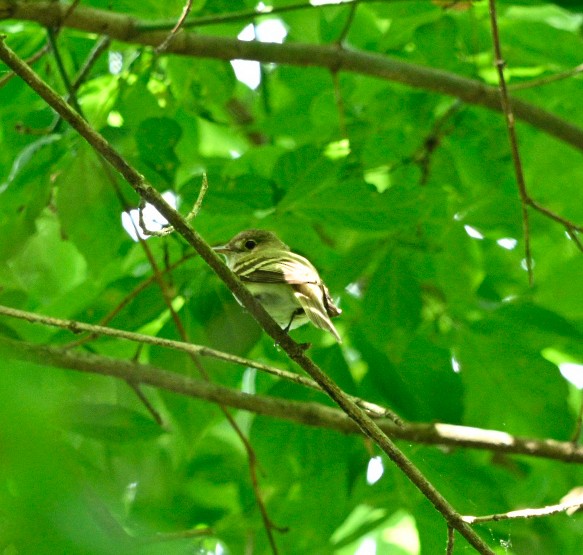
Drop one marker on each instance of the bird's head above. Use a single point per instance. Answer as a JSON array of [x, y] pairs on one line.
[[251, 240]]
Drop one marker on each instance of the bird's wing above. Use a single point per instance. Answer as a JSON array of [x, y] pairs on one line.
[[331, 309], [312, 298], [268, 267]]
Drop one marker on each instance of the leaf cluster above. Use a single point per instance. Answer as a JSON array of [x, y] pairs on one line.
[[404, 200]]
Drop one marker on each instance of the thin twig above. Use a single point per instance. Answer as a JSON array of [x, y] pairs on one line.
[[30, 60], [156, 273], [575, 238], [146, 402], [525, 513], [185, 11], [553, 216], [293, 349], [127, 299], [167, 296], [251, 455], [336, 81], [432, 141], [72, 96], [70, 9], [100, 46], [450, 540], [546, 80], [169, 229], [578, 423], [348, 23], [198, 204], [509, 116]]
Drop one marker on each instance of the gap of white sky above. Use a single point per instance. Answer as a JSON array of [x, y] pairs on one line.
[[270, 30]]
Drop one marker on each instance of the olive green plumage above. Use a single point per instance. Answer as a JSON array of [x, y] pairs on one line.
[[285, 283]]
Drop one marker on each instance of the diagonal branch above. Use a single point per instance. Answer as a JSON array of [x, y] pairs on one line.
[[179, 24], [166, 295], [293, 350]]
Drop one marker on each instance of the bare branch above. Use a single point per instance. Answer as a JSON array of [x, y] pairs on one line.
[[128, 29], [71, 93], [30, 60], [553, 216], [305, 413], [450, 541], [347, 24], [547, 80], [100, 46], [526, 513], [169, 229], [180, 23], [188, 347], [509, 116]]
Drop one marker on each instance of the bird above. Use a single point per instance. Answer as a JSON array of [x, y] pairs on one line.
[[286, 284]]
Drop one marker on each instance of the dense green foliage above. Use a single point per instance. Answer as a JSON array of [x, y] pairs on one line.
[[379, 184]]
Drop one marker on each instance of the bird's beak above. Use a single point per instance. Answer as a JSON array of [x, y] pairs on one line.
[[221, 249]]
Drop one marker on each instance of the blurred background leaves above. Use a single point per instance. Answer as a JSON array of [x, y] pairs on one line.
[[405, 203]]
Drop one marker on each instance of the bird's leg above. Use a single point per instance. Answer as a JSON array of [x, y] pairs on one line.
[[296, 312]]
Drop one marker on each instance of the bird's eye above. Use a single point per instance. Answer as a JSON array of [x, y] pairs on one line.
[[250, 244]]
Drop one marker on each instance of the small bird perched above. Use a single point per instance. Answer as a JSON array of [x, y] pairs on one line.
[[285, 283]]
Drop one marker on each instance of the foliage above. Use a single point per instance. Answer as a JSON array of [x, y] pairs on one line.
[[406, 202]]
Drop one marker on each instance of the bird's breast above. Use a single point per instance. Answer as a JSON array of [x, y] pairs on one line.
[[279, 301]]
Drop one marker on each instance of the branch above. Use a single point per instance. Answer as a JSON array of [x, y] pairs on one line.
[[533, 83], [167, 230], [180, 23], [127, 29], [185, 347], [301, 412], [269, 526], [31, 60], [130, 296], [294, 351], [450, 541], [526, 513], [72, 95], [243, 15], [512, 139]]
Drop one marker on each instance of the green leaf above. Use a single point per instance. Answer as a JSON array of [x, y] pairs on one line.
[[89, 211], [392, 304], [26, 192], [511, 387], [112, 423], [459, 269], [399, 207], [48, 267], [156, 140], [561, 292]]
